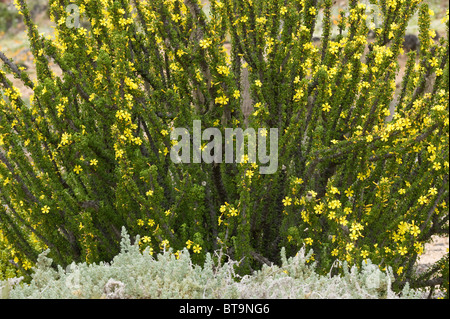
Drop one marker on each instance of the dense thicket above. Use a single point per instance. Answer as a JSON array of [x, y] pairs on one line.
[[90, 152]]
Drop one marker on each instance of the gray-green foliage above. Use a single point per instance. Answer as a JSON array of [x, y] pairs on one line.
[[132, 274]]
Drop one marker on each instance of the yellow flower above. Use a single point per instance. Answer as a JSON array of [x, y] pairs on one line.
[[167, 212], [364, 254], [432, 191], [287, 201], [77, 169], [205, 43], [258, 83], [353, 236], [236, 94], [396, 237], [65, 138], [418, 247], [223, 70], [313, 194], [176, 17], [308, 241], [26, 265], [119, 153], [60, 109], [402, 250], [343, 221], [434, 62], [249, 173], [140, 222], [93, 162], [415, 230], [146, 239], [244, 19], [438, 108], [222, 100], [349, 192], [334, 190], [189, 244], [45, 209], [334, 204], [164, 244], [137, 140], [197, 249], [436, 166], [331, 215], [423, 200], [164, 132], [403, 227], [128, 97], [326, 107], [233, 212], [400, 270], [298, 95], [6, 181], [244, 158], [261, 20], [149, 193], [263, 132]]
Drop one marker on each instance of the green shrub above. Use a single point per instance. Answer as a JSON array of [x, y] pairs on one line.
[[91, 152], [132, 274]]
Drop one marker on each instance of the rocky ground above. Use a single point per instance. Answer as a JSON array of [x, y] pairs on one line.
[[434, 251]]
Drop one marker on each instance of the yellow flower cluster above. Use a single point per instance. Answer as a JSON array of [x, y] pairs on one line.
[[226, 211], [196, 248]]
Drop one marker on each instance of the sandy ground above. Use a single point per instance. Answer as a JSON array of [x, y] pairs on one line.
[[433, 252]]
